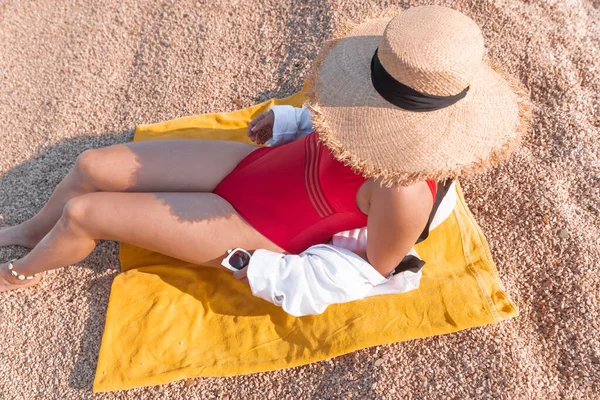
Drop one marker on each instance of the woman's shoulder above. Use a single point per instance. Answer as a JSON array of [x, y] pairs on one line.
[[420, 191], [414, 202]]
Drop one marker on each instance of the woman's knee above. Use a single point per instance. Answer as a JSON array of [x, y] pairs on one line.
[[75, 211], [75, 214], [92, 166], [86, 166]]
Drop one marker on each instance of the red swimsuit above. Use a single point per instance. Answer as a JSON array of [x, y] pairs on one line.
[[297, 194]]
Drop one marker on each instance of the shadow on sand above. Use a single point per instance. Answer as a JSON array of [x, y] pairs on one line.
[[31, 184]]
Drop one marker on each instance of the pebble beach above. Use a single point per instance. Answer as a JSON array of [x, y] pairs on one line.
[[78, 74]]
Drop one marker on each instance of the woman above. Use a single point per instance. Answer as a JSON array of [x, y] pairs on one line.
[[397, 105]]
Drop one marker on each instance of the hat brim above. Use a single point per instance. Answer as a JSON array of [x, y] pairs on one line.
[[379, 139]]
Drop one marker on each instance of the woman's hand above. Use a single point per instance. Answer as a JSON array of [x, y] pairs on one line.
[[260, 129], [242, 275]]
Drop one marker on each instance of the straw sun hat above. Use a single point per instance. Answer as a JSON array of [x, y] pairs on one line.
[[425, 106]]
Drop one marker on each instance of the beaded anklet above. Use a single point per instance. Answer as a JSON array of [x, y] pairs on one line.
[[14, 273]]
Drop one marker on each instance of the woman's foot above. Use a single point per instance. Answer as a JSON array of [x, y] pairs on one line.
[[15, 235], [10, 282]]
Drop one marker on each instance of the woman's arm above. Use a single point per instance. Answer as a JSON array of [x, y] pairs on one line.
[[397, 216]]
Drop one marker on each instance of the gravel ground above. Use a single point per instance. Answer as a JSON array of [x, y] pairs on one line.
[[78, 74]]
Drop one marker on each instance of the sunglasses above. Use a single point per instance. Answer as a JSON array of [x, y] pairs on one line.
[[237, 259]]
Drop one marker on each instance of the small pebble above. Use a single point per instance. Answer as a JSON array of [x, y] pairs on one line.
[[563, 233]]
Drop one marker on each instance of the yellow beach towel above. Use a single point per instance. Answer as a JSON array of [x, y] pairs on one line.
[[168, 319]]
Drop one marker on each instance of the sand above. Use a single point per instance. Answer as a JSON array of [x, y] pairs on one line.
[[81, 74]]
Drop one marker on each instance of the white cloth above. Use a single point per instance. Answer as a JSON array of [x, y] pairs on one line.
[[324, 274], [291, 123], [306, 283]]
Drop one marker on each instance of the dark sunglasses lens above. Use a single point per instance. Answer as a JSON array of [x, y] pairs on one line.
[[239, 260]]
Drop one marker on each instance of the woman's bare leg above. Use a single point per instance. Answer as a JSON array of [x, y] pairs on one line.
[[170, 165], [194, 227]]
